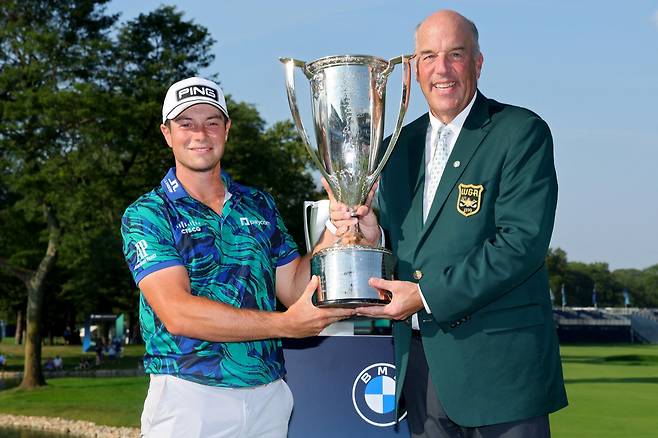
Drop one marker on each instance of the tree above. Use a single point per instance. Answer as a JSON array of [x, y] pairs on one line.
[[12, 292], [642, 285], [580, 279], [556, 263], [71, 147], [48, 50], [650, 284]]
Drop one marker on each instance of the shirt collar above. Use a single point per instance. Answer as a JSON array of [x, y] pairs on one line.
[[455, 124], [175, 190]]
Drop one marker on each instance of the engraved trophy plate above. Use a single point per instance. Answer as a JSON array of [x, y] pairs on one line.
[[348, 95]]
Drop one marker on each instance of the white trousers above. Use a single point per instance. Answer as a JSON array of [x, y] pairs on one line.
[[177, 408]]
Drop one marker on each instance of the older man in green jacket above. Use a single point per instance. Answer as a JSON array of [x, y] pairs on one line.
[[468, 201]]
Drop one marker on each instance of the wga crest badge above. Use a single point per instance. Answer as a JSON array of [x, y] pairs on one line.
[[469, 199], [373, 395]]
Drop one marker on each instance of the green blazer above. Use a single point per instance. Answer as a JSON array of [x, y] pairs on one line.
[[490, 340]]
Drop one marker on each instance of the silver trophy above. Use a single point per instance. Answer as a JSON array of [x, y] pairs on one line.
[[348, 101]]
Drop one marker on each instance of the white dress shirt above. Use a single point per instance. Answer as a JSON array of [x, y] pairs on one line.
[[455, 126]]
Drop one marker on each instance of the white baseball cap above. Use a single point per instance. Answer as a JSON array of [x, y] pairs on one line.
[[191, 91]]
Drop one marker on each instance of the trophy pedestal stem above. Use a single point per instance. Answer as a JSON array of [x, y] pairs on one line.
[[353, 236]]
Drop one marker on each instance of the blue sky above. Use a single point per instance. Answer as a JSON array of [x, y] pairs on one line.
[[589, 68]]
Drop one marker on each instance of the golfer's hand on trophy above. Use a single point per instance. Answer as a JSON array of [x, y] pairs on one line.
[[342, 219], [303, 318], [404, 295]]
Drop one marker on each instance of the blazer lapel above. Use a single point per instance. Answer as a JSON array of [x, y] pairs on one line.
[[470, 138]]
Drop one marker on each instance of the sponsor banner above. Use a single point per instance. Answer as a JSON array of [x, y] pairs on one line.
[[344, 386]]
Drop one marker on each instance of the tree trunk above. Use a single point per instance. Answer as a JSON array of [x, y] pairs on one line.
[[32, 372], [18, 336]]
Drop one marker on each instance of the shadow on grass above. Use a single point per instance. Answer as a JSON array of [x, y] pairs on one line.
[[621, 359], [97, 383], [8, 384], [644, 358], [614, 380]]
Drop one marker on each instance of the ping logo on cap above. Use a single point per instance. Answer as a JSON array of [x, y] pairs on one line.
[[195, 91]]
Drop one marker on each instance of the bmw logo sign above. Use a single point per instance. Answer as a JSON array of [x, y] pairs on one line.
[[373, 394]]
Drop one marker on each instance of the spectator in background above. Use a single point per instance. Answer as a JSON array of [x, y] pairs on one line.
[[67, 335], [83, 364], [116, 342], [58, 363], [49, 365], [99, 352], [112, 352], [3, 361]]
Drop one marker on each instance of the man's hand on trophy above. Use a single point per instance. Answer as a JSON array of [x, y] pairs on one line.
[[303, 319], [342, 219], [405, 300]]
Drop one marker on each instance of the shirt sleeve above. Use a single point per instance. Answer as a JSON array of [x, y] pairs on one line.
[[148, 243], [283, 246]]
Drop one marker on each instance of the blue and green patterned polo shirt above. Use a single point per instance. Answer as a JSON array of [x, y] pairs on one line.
[[230, 258]]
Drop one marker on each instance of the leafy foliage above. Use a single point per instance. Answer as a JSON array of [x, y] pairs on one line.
[[580, 280]]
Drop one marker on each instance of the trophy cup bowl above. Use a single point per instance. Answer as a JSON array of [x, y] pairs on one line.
[[348, 95]]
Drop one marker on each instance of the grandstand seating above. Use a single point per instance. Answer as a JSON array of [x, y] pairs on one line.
[[574, 325], [618, 325]]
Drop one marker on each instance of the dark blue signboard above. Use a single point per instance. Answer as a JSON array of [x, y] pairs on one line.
[[344, 386]]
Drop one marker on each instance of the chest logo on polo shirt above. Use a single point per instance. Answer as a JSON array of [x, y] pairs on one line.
[[245, 222], [188, 227], [469, 199]]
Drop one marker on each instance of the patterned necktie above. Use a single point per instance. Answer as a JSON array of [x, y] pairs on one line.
[[436, 166]]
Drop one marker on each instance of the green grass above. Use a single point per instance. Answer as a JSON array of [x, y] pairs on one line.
[[115, 401], [613, 392]]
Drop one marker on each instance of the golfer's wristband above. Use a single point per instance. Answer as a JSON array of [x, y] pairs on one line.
[[331, 227]]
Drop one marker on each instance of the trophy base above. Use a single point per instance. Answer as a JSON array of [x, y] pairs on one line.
[[344, 272], [351, 304]]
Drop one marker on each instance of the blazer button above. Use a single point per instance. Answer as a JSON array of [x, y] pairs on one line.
[[418, 274]]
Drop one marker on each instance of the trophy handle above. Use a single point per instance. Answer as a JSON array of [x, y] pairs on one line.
[[404, 103], [290, 65], [316, 214]]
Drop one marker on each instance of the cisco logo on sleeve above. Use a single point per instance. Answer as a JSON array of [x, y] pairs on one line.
[[373, 395]]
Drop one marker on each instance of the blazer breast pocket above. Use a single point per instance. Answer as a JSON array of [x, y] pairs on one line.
[[512, 318]]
